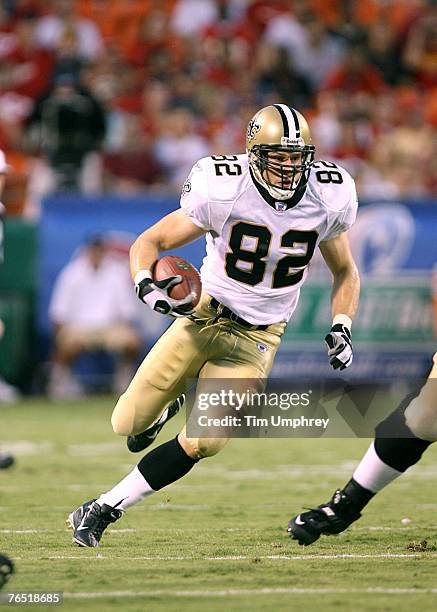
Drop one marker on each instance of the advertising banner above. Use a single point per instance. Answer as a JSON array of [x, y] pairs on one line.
[[393, 333]]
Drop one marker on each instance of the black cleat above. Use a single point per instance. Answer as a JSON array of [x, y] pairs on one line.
[[141, 441], [6, 569], [328, 519], [89, 522], [6, 461]]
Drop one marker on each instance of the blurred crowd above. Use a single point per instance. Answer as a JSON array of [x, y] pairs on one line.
[[125, 95]]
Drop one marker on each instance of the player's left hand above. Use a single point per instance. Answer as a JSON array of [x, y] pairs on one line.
[[340, 351]]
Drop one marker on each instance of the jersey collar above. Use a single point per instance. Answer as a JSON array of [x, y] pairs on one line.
[[283, 205]]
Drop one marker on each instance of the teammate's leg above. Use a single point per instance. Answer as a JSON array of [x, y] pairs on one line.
[[399, 444]]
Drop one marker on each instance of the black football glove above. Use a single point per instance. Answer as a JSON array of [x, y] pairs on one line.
[[156, 295], [340, 351]]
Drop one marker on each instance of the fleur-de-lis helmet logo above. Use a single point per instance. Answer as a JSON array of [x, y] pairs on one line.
[[252, 129]]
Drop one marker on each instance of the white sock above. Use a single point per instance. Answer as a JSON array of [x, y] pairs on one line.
[[372, 473], [129, 491]]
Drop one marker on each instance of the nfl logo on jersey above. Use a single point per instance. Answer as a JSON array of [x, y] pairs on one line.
[[280, 206]]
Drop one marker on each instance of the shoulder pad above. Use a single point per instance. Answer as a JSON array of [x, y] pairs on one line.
[[226, 175], [332, 185]]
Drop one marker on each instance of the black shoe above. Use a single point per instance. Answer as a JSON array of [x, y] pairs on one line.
[[328, 519], [141, 441], [6, 461], [6, 569], [89, 522]]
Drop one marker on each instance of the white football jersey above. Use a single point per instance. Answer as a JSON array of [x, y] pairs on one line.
[[258, 252]]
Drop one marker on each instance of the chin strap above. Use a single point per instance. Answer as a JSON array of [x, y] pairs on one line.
[[275, 193]]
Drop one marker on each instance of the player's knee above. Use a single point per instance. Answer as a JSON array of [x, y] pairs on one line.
[[421, 413], [423, 424], [208, 447], [120, 427], [123, 417], [130, 416], [201, 448]]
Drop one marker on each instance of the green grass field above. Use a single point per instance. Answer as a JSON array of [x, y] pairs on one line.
[[216, 539]]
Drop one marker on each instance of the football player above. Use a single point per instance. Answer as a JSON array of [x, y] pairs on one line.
[[400, 442], [263, 213], [6, 391]]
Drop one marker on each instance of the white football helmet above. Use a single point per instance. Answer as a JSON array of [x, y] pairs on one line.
[[278, 143]]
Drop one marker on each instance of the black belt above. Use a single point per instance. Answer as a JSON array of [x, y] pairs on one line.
[[227, 313]]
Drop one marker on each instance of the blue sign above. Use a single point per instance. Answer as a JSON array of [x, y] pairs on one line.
[[390, 236]]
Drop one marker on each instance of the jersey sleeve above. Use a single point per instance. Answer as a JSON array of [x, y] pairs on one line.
[[195, 198], [342, 220]]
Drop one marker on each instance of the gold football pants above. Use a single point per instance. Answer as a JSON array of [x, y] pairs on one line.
[[208, 348]]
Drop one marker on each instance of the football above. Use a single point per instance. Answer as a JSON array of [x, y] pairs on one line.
[[172, 265]]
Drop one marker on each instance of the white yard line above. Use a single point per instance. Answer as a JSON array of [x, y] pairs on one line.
[[400, 528], [171, 506], [265, 591], [32, 531], [27, 531], [224, 529], [95, 449], [101, 557], [29, 447]]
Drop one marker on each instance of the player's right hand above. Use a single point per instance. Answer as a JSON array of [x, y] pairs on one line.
[[156, 294]]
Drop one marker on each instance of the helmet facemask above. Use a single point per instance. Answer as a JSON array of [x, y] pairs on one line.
[[282, 169]]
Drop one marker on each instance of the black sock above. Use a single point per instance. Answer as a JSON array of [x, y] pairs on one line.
[[357, 496], [165, 464]]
